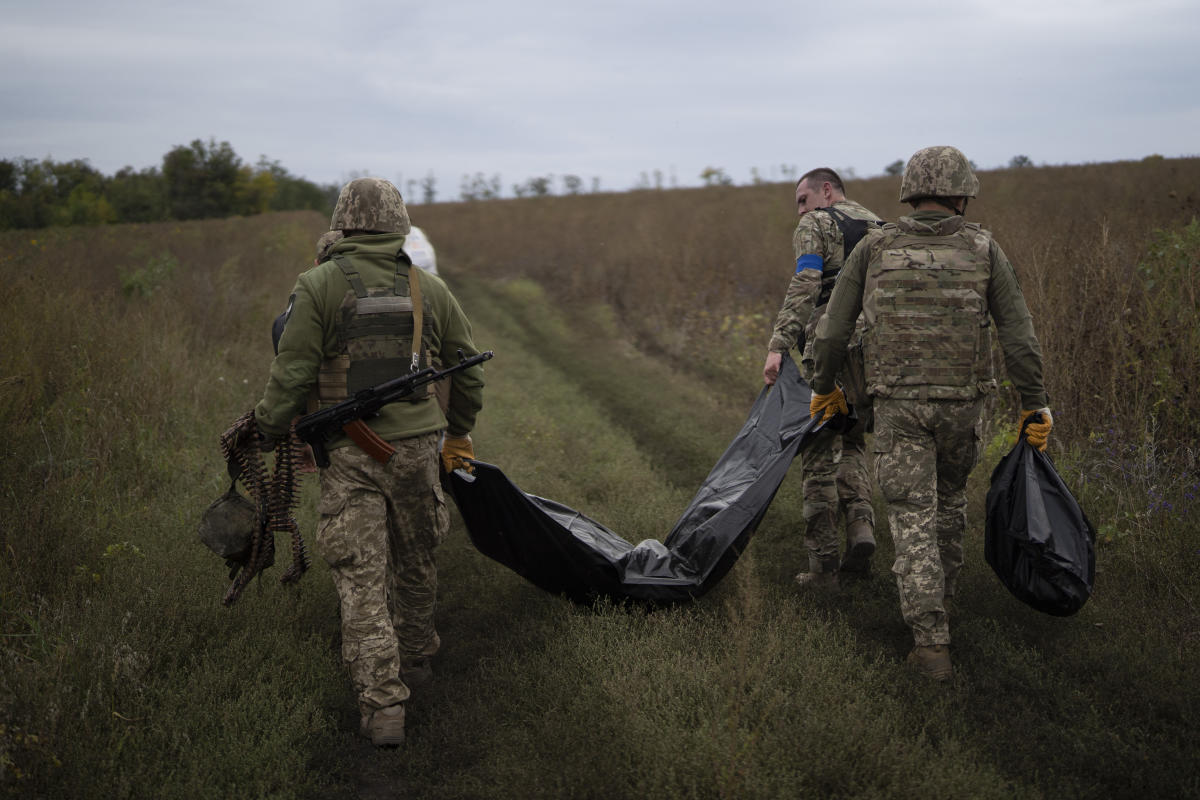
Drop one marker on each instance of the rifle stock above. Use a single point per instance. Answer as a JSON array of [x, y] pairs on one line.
[[317, 427]]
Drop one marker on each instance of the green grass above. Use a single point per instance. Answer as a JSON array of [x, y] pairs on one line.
[[121, 675]]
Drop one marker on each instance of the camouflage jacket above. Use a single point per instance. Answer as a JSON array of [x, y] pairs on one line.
[[819, 248], [1005, 304], [309, 338]]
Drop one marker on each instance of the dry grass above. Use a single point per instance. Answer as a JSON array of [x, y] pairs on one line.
[[699, 274], [128, 350]]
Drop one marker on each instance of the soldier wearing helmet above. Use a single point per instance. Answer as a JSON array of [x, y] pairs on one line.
[[362, 316], [829, 227], [930, 288]]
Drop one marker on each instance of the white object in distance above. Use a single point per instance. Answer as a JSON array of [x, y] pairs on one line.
[[420, 251]]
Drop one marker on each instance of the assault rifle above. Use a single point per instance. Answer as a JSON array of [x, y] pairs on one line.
[[348, 415]]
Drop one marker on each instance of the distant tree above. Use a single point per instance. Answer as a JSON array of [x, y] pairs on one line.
[[138, 196], [572, 184], [202, 180], [715, 176], [37, 193], [538, 186], [895, 168], [85, 207], [790, 172], [595, 184], [756, 177], [1019, 162], [658, 179], [429, 188], [477, 187], [254, 191], [293, 193], [541, 185]]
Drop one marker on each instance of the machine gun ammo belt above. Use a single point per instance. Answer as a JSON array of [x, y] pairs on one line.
[[273, 495]]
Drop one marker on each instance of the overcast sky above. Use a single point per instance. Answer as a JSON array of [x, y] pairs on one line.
[[601, 90]]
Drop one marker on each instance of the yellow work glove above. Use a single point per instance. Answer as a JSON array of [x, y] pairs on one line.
[[828, 404], [455, 449], [1036, 433]]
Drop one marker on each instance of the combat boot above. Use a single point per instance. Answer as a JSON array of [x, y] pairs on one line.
[[820, 577], [860, 546], [385, 726], [932, 661], [416, 671]]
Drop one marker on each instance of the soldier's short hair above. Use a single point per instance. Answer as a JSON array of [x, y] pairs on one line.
[[816, 177]]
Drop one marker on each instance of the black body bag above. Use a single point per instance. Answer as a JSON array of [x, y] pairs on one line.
[[1037, 539], [564, 552]]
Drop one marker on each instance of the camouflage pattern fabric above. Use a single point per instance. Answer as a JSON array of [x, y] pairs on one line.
[[370, 204], [924, 451], [326, 242], [837, 483], [816, 234], [1005, 305], [378, 529], [834, 486], [940, 171], [926, 314]]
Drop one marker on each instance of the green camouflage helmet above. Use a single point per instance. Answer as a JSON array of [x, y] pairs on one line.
[[228, 525], [938, 172], [326, 242], [370, 204]]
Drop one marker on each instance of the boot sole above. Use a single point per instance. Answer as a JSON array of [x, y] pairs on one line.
[[859, 558]]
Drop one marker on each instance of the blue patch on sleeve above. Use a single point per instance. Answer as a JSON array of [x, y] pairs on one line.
[[809, 261]]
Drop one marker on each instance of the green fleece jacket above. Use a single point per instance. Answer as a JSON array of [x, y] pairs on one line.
[[309, 338]]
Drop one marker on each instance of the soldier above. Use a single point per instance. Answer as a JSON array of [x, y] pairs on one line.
[[928, 288], [829, 227], [353, 323]]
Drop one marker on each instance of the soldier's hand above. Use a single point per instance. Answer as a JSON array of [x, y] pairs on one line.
[[1036, 432], [771, 367], [827, 405], [455, 452]]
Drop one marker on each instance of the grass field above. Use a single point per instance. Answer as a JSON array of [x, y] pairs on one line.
[[129, 349]]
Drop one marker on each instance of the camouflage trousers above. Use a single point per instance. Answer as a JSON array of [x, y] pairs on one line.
[[836, 474], [379, 525], [924, 452]]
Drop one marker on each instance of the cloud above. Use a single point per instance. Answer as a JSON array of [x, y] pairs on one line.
[[597, 89]]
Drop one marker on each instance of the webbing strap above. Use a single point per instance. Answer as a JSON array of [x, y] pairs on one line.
[[351, 274], [418, 311]]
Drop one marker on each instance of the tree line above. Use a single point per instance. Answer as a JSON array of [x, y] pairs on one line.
[[196, 181]]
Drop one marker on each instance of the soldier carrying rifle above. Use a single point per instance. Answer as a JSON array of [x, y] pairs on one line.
[[362, 317]]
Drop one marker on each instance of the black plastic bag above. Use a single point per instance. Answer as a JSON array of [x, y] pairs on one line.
[[565, 552], [1037, 539]]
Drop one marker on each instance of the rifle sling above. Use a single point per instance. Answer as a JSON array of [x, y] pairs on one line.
[[370, 443]]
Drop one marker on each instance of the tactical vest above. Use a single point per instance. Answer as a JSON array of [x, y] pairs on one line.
[[928, 331], [374, 329], [853, 230]]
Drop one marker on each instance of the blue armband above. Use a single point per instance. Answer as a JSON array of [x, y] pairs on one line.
[[810, 261]]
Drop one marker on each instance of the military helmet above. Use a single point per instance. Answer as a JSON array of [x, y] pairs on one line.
[[370, 204], [227, 526], [938, 172]]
